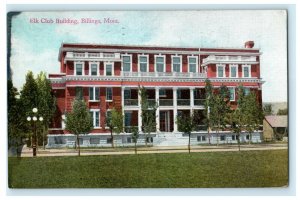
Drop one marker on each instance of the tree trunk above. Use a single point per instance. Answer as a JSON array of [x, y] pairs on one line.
[[43, 137], [239, 142], [146, 137], [189, 146], [112, 138], [78, 145], [135, 150]]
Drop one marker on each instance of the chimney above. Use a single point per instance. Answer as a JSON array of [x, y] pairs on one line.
[[249, 44]]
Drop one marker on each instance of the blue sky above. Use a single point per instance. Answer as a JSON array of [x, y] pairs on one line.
[[35, 46]]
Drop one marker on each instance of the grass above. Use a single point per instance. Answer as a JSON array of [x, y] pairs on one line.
[[181, 170]]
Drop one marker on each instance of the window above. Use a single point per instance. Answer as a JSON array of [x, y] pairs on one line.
[[109, 69], [232, 93], [233, 71], [176, 63], [143, 63], [95, 114], [128, 139], [127, 119], [201, 138], [108, 94], [234, 137], [150, 139], [221, 71], [94, 140], [108, 117], [246, 71], [109, 140], [222, 138], [126, 63], [247, 137], [78, 69], [94, 93], [193, 64], [127, 94], [160, 63], [246, 91], [79, 93], [162, 93], [94, 69]]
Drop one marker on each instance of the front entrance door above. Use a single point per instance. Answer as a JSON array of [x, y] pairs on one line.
[[164, 119]]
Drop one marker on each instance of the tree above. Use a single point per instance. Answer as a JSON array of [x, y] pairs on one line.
[[46, 102], [79, 121], [208, 104], [186, 124], [115, 123], [268, 110], [148, 114], [135, 136], [282, 111]]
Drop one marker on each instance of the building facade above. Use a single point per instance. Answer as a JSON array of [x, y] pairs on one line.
[[108, 76]]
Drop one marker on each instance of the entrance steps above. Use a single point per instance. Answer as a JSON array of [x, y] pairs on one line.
[[170, 139]]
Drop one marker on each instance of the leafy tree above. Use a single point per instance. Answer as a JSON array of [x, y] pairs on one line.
[[268, 110], [208, 104], [186, 124], [282, 111], [148, 114], [115, 123], [135, 136], [46, 102], [79, 121]]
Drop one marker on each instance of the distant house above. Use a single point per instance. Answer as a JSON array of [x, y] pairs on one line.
[[275, 127]]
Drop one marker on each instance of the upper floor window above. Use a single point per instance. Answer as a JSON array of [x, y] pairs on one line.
[[94, 69], [176, 63], [79, 93], [95, 114], [94, 93], [232, 93], [246, 91], [109, 94], [109, 69], [126, 63], [160, 63], [78, 69], [220, 71], [143, 63], [127, 94], [108, 117], [246, 71], [162, 93], [233, 71], [193, 64]]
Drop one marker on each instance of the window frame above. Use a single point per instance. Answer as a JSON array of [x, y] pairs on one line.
[[249, 70], [90, 68], [180, 62], [81, 96], [139, 62], [221, 137], [231, 88], [106, 99], [122, 65], [94, 94], [94, 111], [75, 68], [155, 59], [197, 66], [217, 69], [112, 68], [236, 70]]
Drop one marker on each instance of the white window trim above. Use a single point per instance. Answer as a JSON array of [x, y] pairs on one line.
[[82, 66], [233, 93], [63, 124], [155, 57], [236, 70], [90, 68], [130, 55], [139, 62], [197, 66], [249, 67], [94, 94], [176, 56], [94, 117], [113, 68], [109, 100], [224, 72]]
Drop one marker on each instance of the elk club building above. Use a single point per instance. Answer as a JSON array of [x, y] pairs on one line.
[[108, 76]]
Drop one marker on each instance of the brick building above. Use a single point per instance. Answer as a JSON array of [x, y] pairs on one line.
[[108, 76]]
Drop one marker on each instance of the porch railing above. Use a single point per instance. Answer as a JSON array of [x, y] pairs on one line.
[[131, 102], [164, 74], [183, 102], [166, 102]]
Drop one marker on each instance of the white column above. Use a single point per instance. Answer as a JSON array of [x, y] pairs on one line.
[[175, 109], [192, 100], [139, 113], [157, 110], [122, 104]]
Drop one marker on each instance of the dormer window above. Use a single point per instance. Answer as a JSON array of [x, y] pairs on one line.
[[176, 63], [126, 63], [160, 63], [246, 71], [193, 63]]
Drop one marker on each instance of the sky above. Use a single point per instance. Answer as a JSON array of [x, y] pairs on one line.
[[35, 46]]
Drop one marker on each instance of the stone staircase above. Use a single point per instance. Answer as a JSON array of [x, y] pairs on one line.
[[170, 139]]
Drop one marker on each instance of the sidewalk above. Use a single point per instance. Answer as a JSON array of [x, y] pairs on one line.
[[27, 152]]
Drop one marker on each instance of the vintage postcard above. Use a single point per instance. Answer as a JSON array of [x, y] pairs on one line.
[[148, 99]]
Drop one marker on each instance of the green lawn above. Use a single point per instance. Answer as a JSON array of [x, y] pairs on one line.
[[215, 169]]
